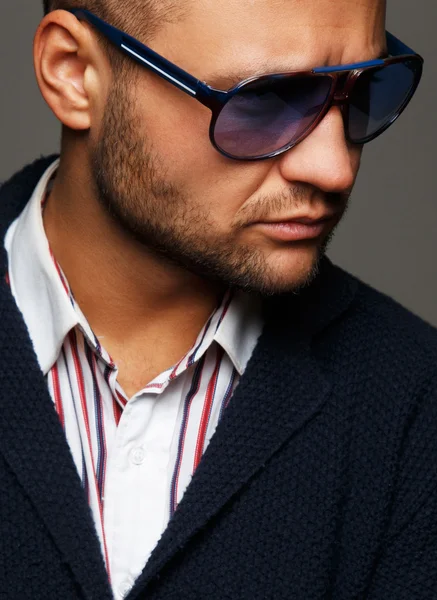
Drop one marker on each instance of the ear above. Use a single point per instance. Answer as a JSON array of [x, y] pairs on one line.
[[69, 68]]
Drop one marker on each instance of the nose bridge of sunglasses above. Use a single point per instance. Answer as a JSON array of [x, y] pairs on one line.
[[343, 85]]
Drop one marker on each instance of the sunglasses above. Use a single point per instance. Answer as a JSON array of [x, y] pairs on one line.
[[264, 116]]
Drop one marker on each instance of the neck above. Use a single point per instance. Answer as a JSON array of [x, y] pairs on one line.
[[127, 293]]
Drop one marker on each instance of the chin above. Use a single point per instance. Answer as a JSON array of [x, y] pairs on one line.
[[281, 272], [295, 269]]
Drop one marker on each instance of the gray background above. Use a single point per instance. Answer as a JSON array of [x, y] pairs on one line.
[[388, 237]]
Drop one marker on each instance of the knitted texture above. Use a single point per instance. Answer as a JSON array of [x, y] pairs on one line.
[[319, 484]]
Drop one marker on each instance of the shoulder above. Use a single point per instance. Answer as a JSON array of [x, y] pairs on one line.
[[386, 319], [386, 340], [386, 358], [15, 192]]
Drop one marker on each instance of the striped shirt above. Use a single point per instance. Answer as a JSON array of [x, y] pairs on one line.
[[135, 456]]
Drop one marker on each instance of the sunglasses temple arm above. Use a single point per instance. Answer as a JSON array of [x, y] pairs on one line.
[[396, 47], [150, 59]]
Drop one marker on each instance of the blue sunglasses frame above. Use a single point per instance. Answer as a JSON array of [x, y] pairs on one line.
[[216, 99]]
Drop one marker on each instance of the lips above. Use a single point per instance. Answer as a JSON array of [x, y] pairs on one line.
[[298, 228], [304, 220]]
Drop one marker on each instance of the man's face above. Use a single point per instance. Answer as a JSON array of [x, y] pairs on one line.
[[159, 175]]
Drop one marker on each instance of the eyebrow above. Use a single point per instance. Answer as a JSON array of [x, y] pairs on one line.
[[226, 80]]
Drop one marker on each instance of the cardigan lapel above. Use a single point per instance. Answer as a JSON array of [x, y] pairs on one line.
[[281, 390], [31, 438]]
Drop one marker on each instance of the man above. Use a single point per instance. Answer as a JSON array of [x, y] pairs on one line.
[[196, 404]]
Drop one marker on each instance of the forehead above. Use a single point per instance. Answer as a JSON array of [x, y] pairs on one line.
[[255, 36]]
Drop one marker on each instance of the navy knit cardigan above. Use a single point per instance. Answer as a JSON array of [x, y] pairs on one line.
[[319, 484]]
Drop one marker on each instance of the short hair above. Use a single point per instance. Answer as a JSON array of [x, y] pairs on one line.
[[141, 18]]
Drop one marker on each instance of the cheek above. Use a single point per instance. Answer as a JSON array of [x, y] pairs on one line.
[[178, 132], [177, 127]]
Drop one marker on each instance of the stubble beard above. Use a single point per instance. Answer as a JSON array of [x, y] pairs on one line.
[[133, 189]]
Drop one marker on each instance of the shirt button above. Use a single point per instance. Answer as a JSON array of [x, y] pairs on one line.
[[138, 455]]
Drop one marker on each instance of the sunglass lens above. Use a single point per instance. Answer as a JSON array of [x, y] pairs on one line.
[[378, 97], [267, 115]]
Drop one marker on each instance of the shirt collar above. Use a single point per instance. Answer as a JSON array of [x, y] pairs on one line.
[[50, 313], [235, 325], [35, 282], [240, 329]]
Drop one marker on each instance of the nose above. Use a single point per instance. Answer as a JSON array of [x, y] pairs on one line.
[[324, 159]]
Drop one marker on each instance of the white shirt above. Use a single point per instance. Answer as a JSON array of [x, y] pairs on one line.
[[135, 456]]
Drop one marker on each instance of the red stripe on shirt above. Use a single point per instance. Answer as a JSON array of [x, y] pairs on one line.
[[57, 394], [207, 406], [196, 381]]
